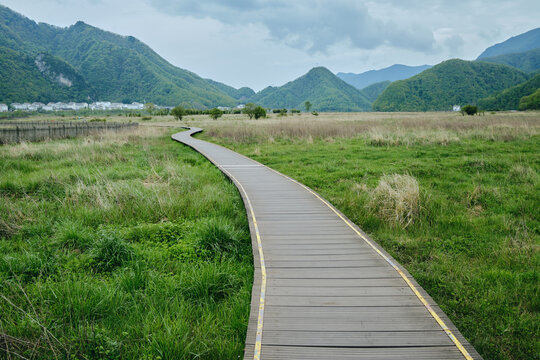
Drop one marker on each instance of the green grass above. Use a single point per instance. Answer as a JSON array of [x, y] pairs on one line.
[[473, 243], [116, 247]]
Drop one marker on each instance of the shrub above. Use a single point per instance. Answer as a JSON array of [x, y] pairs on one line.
[[315, 113], [178, 112], [469, 110], [396, 200], [259, 112], [215, 113], [109, 251]]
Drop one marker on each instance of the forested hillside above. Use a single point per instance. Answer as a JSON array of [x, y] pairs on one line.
[[373, 91], [324, 90], [453, 82], [116, 68], [510, 98], [527, 61]]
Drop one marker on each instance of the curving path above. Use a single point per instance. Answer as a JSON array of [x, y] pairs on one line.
[[322, 288]]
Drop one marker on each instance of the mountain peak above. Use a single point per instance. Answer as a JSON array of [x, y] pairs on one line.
[[319, 70]]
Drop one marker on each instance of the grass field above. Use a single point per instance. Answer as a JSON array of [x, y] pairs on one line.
[[125, 246], [455, 199]]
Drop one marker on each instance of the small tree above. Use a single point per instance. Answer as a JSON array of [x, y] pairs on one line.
[[259, 112], [249, 110], [149, 107], [178, 112], [469, 110], [307, 105], [215, 113]]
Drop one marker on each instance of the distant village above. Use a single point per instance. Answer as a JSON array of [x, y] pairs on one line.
[[100, 105], [60, 106]]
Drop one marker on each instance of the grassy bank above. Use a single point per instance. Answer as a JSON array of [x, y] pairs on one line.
[[120, 246], [455, 199]]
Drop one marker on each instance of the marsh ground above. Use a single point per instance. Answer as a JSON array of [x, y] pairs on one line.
[[123, 245]]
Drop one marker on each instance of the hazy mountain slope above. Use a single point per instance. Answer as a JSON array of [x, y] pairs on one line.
[[322, 88], [527, 61], [451, 82], [509, 98], [119, 68], [392, 73], [516, 44], [373, 91], [241, 94]]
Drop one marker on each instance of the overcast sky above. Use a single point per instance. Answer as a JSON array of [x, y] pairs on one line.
[[257, 43]]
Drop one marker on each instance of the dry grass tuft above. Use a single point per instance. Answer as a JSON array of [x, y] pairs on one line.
[[396, 200]]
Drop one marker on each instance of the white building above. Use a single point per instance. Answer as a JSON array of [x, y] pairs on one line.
[[133, 106], [3, 108]]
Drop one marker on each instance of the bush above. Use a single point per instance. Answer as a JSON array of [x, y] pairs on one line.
[[396, 200], [259, 112], [315, 113], [215, 113], [469, 110], [178, 112]]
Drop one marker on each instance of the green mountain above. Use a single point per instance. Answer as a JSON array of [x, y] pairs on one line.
[[373, 91], [392, 73], [517, 44], [531, 102], [242, 94], [116, 68], [527, 61], [509, 99], [324, 90], [453, 82], [41, 78]]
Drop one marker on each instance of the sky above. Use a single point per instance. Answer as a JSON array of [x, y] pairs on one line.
[[259, 43]]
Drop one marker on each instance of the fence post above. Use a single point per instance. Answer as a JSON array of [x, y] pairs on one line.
[[17, 136]]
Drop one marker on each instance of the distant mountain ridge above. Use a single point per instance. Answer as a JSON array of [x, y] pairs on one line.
[[517, 44], [391, 73], [452, 82], [324, 90], [113, 67], [528, 61]]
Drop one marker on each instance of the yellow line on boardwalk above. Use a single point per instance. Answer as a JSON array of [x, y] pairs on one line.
[[262, 298], [389, 261]]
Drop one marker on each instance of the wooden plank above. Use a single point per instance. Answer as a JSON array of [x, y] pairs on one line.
[[354, 338], [270, 352]]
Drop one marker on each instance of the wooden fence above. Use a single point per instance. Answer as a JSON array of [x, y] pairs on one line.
[[14, 132]]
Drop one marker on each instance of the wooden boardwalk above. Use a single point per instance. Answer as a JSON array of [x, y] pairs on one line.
[[322, 288]]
